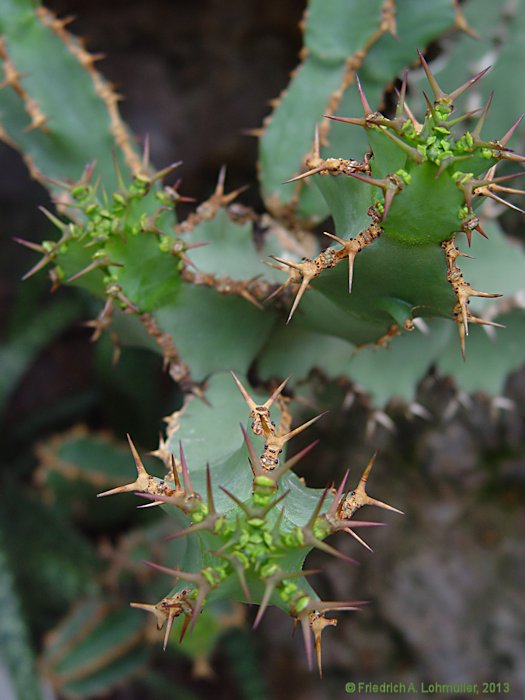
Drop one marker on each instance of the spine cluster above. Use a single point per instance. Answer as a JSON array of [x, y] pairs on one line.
[[255, 543]]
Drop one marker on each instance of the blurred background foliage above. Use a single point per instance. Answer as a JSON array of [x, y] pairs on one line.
[[446, 582]]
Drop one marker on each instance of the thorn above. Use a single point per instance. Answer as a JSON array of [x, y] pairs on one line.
[[174, 473], [366, 107], [359, 539], [382, 183], [146, 154], [118, 172], [184, 628], [305, 627], [485, 322], [482, 232], [268, 403], [275, 443], [490, 180], [197, 579], [181, 197], [302, 176], [462, 118], [188, 488], [356, 121], [316, 150], [209, 492], [288, 263], [36, 268], [196, 527], [411, 152], [268, 508], [252, 457], [236, 500], [279, 289], [58, 183], [327, 605], [219, 187], [141, 470], [302, 289], [400, 107], [152, 609], [250, 402], [514, 157], [479, 126], [359, 498], [503, 141], [352, 254], [260, 414], [342, 524], [161, 174], [257, 132], [54, 220], [307, 270], [332, 511], [239, 570], [388, 199], [317, 624], [169, 625], [323, 546], [148, 505], [315, 514], [203, 590], [87, 175], [29, 244], [462, 24], [509, 190], [463, 88], [197, 244], [431, 108], [95, 264], [495, 197], [290, 463], [268, 590], [438, 92], [302, 427], [417, 125], [142, 481], [295, 620], [462, 334]]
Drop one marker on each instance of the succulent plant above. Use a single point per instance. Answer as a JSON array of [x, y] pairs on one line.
[[403, 195], [247, 541]]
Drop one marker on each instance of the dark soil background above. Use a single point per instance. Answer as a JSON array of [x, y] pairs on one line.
[[446, 581]]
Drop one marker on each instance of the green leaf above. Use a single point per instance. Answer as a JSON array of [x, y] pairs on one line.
[[397, 370], [490, 359], [290, 133], [296, 351], [149, 277], [77, 465], [335, 30], [78, 126], [15, 647], [206, 329], [231, 251], [95, 649]]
